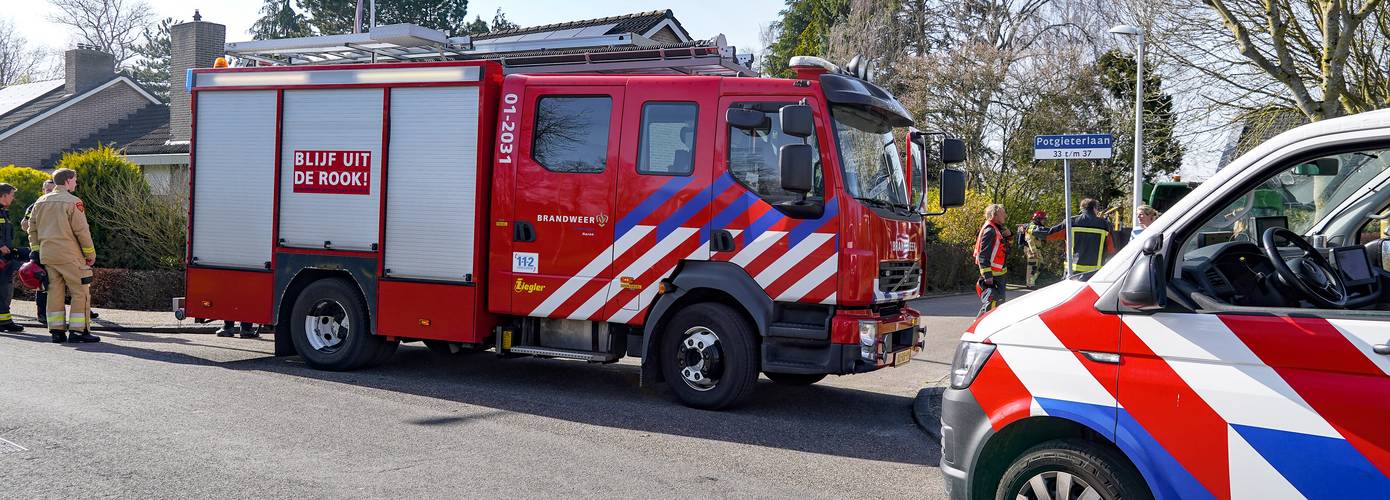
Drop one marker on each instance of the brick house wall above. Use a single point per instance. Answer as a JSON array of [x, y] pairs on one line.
[[34, 144]]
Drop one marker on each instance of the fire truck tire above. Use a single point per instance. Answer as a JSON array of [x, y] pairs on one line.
[[795, 378], [710, 356], [1068, 469], [330, 328]]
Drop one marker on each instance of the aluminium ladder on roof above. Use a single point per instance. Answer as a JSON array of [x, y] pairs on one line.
[[620, 53]]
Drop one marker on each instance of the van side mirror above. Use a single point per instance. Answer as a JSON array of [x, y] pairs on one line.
[[1318, 167], [797, 175], [747, 119], [952, 188], [797, 121], [1146, 286], [952, 151]]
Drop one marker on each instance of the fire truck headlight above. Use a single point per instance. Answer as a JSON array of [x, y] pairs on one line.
[[868, 340], [970, 357]]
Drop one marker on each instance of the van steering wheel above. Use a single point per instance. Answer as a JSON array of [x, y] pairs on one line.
[[1309, 273]]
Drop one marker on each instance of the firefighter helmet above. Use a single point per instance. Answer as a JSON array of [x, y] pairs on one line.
[[1040, 214], [32, 275]]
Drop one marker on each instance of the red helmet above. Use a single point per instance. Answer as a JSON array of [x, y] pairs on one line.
[[1039, 214], [32, 275]]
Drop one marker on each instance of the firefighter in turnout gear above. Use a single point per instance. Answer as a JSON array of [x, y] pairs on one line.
[[1091, 241], [58, 227], [991, 248], [1032, 247], [10, 259]]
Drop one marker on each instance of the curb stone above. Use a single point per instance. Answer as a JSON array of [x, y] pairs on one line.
[[926, 411], [119, 328]]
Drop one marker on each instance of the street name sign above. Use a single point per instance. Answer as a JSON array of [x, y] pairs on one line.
[[1073, 147]]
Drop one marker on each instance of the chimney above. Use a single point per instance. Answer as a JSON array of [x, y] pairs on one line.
[[85, 68], [194, 45]]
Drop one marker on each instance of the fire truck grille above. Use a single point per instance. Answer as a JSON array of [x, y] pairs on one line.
[[898, 276]]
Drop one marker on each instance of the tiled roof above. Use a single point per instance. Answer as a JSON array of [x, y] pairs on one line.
[[156, 142], [640, 22], [133, 134], [33, 108], [14, 96]]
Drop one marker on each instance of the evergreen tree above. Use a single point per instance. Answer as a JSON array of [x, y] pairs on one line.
[[500, 22], [477, 27], [279, 20], [334, 17], [1162, 151], [152, 68], [803, 30]]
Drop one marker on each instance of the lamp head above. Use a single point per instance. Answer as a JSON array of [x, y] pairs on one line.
[[1125, 29]]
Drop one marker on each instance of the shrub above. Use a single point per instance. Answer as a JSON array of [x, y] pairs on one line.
[[147, 290], [28, 185], [131, 228]]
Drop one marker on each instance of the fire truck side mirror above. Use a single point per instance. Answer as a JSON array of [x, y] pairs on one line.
[[746, 119], [797, 120], [952, 151], [952, 188], [797, 176]]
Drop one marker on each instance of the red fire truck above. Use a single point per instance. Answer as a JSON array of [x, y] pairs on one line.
[[715, 227]]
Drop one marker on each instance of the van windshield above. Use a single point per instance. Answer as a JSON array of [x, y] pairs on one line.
[[872, 171]]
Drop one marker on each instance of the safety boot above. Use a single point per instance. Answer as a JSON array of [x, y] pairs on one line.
[[227, 331], [59, 336], [83, 337], [10, 326]]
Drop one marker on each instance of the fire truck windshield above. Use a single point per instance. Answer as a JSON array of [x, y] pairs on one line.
[[869, 156]]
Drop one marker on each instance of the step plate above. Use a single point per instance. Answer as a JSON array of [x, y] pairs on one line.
[[564, 354]]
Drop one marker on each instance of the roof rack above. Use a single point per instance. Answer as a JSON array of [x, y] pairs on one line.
[[610, 53]]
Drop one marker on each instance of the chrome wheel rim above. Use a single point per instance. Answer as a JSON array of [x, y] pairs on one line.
[[700, 358], [327, 325], [1056, 485]]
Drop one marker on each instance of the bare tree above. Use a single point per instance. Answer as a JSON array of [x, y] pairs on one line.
[[112, 26], [19, 63]]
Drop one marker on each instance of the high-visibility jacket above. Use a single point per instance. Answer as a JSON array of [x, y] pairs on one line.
[[1090, 241], [991, 247]]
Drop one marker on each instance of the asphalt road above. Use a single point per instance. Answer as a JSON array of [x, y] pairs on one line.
[[165, 415]]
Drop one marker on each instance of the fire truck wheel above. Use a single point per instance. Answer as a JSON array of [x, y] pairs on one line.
[[795, 378], [330, 328], [1071, 469], [710, 356]]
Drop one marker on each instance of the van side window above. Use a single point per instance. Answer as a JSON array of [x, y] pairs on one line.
[[571, 134], [753, 156], [668, 138]]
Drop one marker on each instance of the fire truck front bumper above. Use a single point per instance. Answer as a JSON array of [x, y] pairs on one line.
[[858, 344]]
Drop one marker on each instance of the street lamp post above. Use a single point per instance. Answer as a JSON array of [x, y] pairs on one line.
[[1125, 29]]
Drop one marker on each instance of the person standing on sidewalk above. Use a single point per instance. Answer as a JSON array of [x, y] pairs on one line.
[[229, 329], [58, 226], [1032, 247], [991, 248], [9, 260], [41, 293]]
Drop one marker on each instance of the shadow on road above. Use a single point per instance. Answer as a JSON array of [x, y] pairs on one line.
[[816, 419]]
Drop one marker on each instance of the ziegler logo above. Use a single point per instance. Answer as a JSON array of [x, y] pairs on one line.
[[522, 286]]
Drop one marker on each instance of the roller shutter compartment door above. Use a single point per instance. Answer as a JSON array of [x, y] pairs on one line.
[[330, 169], [234, 179], [431, 196]]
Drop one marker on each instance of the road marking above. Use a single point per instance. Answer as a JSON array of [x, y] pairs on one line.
[[7, 446]]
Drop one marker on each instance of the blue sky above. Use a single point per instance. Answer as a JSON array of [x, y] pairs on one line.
[[739, 20]]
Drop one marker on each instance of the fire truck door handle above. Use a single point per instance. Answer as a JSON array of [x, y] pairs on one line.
[[722, 241], [523, 232]]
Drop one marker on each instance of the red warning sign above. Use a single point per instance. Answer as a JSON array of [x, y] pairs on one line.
[[333, 172]]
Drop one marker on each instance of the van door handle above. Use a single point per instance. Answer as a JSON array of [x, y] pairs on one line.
[[522, 231], [1383, 349], [721, 241]]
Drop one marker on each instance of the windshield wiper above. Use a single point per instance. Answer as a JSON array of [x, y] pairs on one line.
[[894, 207]]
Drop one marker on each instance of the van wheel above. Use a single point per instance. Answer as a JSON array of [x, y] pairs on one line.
[[709, 356], [795, 378], [1070, 469], [330, 329]]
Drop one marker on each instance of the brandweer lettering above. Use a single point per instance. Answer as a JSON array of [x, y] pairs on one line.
[[568, 219]]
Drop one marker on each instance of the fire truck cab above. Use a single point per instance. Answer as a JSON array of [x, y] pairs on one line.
[[716, 227]]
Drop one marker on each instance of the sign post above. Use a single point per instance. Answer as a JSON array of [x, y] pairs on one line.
[[1066, 148]]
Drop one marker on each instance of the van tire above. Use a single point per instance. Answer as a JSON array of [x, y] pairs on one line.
[[1101, 468], [342, 339], [722, 352], [795, 378]]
